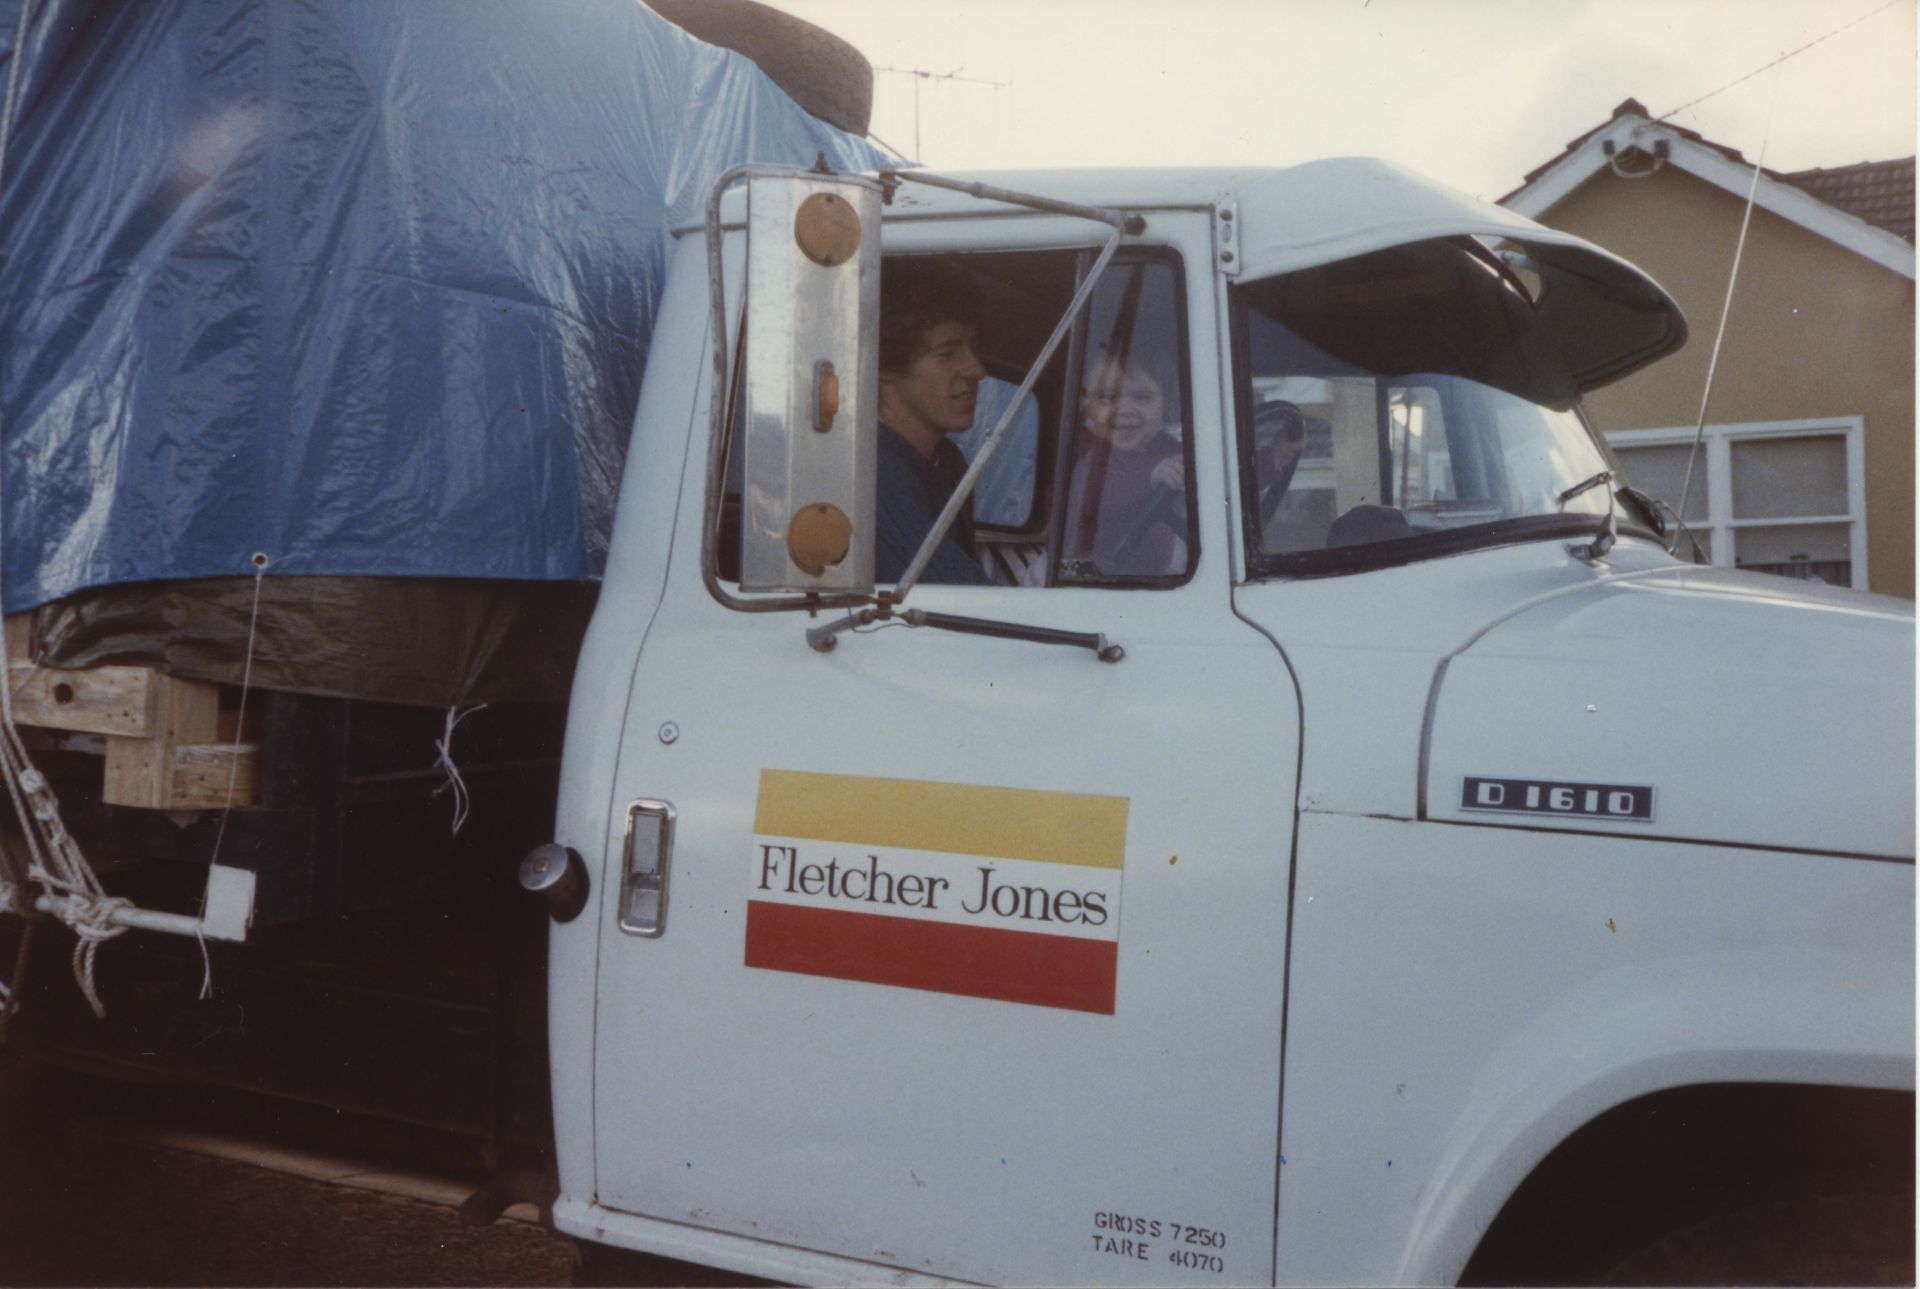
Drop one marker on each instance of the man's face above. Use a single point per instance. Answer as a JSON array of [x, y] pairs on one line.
[[937, 391]]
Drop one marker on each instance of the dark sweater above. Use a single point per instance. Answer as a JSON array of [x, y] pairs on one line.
[[909, 494]]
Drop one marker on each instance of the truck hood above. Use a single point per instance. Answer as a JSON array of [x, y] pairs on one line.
[[1752, 710]]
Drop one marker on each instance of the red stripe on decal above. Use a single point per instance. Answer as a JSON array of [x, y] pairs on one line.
[[979, 961]]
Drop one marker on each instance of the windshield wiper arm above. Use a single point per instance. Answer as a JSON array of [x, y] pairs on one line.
[[1124, 225], [1586, 485], [1603, 541], [824, 636]]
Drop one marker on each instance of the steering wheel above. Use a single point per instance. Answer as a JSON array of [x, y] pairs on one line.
[[1160, 509], [1276, 493], [1280, 421]]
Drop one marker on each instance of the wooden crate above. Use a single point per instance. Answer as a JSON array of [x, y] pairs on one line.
[[168, 746]]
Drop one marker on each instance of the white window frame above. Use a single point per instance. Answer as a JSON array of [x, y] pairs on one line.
[[1716, 449]]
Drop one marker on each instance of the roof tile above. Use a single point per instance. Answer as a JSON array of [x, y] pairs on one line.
[[1880, 192]]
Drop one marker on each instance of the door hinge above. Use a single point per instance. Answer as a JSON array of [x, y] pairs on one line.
[[1226, 237]]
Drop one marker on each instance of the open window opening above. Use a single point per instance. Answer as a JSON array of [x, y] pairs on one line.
[[1091, 484], [1126, 499]]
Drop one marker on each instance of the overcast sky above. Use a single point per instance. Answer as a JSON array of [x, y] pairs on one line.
[[1472, 92]]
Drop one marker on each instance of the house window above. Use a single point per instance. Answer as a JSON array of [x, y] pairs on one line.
[[1785, 497]]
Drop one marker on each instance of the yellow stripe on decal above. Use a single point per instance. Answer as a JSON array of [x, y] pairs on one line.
[[957, 818]]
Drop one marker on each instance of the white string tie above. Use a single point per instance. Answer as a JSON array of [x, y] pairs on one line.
[[206, 962], [461, 799]]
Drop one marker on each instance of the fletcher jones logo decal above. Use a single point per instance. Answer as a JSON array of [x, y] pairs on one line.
[[1001, 893], [1622, 801]]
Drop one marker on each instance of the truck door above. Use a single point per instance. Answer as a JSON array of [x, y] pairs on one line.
[[969, 956]]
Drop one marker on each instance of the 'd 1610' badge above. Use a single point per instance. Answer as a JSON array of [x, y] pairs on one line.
[[1626, 802]]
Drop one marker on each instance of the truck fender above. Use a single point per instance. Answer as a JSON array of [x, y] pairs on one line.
[[1732, 1018]]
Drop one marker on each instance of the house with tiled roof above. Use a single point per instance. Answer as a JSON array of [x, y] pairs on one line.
[[1806, 465], [1880, 192]]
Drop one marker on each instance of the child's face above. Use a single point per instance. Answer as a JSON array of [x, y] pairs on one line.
[[1124, 406]]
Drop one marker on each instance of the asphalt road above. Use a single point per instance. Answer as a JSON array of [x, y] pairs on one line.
[[92, 1210], [87, 1197]]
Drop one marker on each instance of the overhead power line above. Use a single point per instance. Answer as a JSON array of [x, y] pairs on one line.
[[1783, 58]]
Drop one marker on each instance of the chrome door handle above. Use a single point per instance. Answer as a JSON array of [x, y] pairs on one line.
[[643, 886]]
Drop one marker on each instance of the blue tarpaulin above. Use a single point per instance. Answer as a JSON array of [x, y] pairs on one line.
[[363, 286]]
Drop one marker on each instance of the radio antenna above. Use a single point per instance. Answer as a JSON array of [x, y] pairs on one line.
[[922, 74], [1726, 305]]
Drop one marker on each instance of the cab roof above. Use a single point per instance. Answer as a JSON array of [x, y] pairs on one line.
[[1607, 317], [1314, 213]]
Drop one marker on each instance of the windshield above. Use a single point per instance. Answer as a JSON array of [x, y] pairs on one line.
[[1403, 405]]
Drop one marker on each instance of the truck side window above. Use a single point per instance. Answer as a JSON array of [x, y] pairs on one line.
[[1127, 511], [1015, 299], [1090, 482]]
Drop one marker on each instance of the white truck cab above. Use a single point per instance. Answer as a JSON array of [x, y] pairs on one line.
[[1275, 877]]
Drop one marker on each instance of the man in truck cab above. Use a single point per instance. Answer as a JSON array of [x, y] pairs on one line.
[[930, 379]]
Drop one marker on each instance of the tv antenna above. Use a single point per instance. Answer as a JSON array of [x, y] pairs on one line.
[[922, 74]]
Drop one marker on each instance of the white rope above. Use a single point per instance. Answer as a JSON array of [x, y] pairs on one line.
[[92, 926], [444, 743], [260, 563]]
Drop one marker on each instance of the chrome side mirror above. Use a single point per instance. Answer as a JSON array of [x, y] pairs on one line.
[[811, 382]]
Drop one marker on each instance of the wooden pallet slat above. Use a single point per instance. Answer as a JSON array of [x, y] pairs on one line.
[[141, 770], [201, 773], [169, 746], [99, 700]]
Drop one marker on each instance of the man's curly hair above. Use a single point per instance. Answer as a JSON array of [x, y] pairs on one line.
[[915, 296]]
